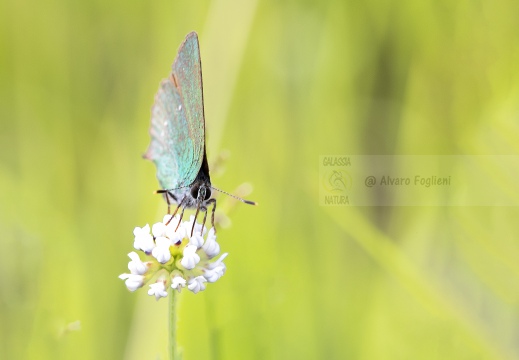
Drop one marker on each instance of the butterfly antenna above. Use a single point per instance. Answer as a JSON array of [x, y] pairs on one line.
[[236, 197]]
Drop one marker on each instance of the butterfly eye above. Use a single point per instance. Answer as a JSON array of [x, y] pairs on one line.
[[207, 193], [202, 192], [194, 192]]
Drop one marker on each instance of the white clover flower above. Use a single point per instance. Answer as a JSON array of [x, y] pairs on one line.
[[132, 281], [196, 240], [191, 258], [136, 266], [158, 289], [175, 236], [214, 274], [161, 251], [143, 231], [143, 239], [172, 250], [218, 262], [167, 217], [178, 282], [211, 247], [215, 270], [158, 229], [196, 284], [188, 225]]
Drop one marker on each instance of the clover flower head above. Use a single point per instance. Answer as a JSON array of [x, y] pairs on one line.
[[174, 256]]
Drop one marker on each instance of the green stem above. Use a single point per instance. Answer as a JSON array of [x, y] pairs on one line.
[[173, 353]]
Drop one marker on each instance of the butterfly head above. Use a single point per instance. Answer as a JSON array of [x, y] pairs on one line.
[[201, 192]]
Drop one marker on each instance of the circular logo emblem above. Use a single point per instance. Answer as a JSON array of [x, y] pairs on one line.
[[336, 181]]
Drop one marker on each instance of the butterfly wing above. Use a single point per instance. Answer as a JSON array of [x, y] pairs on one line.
[[187, 73], [177, 124]]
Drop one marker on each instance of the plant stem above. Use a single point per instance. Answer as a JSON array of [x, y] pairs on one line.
[[173, 353]]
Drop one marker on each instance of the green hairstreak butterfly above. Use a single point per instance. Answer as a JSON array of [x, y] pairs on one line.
[[177, 133]]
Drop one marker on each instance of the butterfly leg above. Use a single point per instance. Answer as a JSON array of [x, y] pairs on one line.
[[181, 214], [203, 223], [213, 201], [169, 204], [194, 220], [176, 210]]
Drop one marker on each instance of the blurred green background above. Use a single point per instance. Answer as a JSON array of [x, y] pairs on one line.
[[284, 82]]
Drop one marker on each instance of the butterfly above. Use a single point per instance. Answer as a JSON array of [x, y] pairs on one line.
[[177, 134]]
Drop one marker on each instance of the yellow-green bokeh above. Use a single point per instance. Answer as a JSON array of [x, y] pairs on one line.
[[285, 82]]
